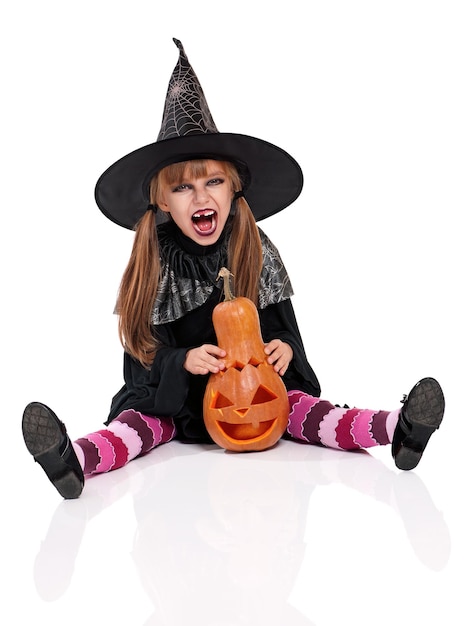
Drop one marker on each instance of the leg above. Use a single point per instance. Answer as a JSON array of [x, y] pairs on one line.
[[318, 421], [408, 428], [66, 464], [128, 436]]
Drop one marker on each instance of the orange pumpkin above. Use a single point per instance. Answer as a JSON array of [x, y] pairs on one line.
[[245, 406]]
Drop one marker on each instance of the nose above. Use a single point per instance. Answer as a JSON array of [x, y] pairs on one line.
[[200, 194]]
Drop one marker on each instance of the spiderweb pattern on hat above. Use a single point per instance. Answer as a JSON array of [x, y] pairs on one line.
[[186, 111]]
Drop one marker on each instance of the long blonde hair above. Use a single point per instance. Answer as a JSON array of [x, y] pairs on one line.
[[140, 281]]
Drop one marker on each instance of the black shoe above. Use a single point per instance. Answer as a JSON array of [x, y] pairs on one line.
[[420, 416], [47, 440]]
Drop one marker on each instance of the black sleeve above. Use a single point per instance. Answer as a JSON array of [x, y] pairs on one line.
[[160, 391], [167, 389], [278, 321]]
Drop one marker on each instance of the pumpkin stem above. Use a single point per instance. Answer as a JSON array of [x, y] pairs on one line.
[[225, 274]]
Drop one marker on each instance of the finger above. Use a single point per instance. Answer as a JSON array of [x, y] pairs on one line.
[[271, 346], [214, 365], [276, 356], [215, 351]]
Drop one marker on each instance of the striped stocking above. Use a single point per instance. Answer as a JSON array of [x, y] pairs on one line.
[[317, 421], [128, 436]]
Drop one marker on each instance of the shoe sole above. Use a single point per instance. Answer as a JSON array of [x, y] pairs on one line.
[[425, 408], [43, 434]]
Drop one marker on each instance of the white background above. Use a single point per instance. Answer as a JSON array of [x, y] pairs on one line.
[[371, 97]]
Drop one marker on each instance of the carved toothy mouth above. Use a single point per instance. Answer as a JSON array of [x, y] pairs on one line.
[[246, 433]]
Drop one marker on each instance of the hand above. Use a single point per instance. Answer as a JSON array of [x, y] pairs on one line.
[[280, 355], [205, 360]]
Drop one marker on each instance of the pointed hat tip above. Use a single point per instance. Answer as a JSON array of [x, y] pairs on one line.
[[178, 43]]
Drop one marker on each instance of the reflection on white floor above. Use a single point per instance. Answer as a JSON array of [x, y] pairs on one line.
[[297, 535]]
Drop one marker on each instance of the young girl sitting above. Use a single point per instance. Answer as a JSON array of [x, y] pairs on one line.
[[193, 198]]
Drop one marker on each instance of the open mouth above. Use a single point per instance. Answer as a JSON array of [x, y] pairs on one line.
[[204, 222], [246, 432]]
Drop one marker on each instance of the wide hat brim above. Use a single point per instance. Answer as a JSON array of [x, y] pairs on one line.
[[272, 179]]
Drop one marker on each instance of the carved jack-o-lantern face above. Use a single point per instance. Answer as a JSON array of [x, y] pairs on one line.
[[245, 407]]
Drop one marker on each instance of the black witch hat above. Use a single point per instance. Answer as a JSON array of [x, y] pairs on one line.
[[272, 179]]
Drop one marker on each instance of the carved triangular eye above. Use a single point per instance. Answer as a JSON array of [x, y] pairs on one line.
[[263, 395], [220, 401]]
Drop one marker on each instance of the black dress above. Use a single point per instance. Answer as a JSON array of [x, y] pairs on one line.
[[182, 319]]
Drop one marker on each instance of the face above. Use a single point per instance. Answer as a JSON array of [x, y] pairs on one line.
[[200, 206]]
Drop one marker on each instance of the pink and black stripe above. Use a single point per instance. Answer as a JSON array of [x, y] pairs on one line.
[[318, 421], [311, 419], [130, 435]]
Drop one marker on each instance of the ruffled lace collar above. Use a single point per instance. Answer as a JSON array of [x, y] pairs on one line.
[[189, 273]]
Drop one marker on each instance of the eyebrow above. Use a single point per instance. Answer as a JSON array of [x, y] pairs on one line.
[[216, 173], [210, 174]]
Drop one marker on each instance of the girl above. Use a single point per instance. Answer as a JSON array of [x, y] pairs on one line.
[[193, 198]]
